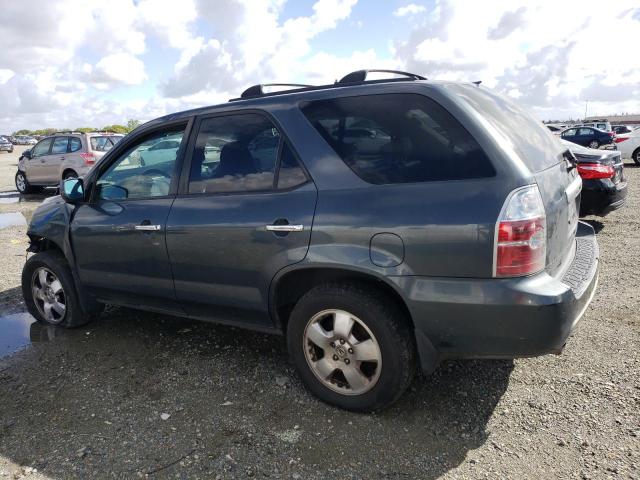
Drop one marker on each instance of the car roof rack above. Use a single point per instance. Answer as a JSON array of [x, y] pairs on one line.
[[353, 78], [361, 75], [258, 90]]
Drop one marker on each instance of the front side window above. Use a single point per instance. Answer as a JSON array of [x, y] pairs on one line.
[[234, 153], [59, 145], [142, 172], [398, 138], [42, 148]]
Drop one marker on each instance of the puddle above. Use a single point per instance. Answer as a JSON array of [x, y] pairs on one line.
[[21, 329], [13, 219]]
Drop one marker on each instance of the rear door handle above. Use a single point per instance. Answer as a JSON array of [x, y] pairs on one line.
[[285, 228], [148, 228]]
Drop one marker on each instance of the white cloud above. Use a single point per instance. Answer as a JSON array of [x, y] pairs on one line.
[[410, 9], [60, 56]]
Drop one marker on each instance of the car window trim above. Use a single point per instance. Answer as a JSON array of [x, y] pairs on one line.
[[183, 186], [115, 153]]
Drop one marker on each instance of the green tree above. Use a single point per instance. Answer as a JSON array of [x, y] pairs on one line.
[[84, 129], [132, 124], [115, 128]]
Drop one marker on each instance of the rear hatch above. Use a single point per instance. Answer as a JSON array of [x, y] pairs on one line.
[[544, 156]]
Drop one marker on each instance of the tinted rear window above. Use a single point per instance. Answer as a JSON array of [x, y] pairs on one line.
[[398, 138], [537, 146]]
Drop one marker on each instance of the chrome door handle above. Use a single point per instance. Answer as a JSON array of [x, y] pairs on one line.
[[285, 228], [148, 228]]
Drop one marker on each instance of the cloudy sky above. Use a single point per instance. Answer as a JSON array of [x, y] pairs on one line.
[[73, 63]]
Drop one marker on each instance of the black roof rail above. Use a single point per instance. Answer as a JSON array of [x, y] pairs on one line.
[[361, 75], [258, 90]]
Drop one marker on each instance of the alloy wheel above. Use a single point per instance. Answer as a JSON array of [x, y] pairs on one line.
[[342, 352], [21, 182], [593, 144], [48, 295]]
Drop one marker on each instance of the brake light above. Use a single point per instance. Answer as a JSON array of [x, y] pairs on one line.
[[521, 234], [620, 139], [89, 158], [592, 171], [612, 134]]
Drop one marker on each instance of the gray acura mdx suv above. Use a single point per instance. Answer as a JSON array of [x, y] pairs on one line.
[[379, 225]]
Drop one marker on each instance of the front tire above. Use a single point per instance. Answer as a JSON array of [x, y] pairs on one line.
[[636, 157], [49, 291], [352, 347], [22, 184]]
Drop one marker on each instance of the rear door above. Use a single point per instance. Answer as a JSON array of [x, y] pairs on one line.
[[54, 160], [244, 211], [585, 136]]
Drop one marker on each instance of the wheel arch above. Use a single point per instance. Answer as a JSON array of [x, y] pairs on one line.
[[291, 284]]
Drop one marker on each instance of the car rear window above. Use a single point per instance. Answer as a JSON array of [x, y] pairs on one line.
[[398, 138], [537, 146], [104, 144]]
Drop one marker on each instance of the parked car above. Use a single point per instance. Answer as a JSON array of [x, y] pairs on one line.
[[372, 257], [5, 145], [587, 136], [554, 129], [61, 156], [629, 145], [603, 125], [604, 187], [619, 129]]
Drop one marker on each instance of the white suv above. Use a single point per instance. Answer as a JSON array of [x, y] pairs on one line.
[[61, 156]]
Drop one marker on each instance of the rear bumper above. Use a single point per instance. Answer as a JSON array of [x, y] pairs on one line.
[[600, 197], [502, 318]]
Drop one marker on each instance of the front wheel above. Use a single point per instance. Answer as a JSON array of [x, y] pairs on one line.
[[594, 144], [22, 184], [351, 346], [636, 157], [49, 292]]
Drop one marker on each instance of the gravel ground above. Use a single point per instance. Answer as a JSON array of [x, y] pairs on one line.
[[137, 394]]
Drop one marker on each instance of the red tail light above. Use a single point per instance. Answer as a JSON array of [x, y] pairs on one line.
[[521, 234], [620, 139], [592, 171], [89, 158], [612, 134]]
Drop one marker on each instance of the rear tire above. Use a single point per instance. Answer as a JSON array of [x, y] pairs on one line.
[[49, 291], [69, 174], [352, 347], [594, 144]]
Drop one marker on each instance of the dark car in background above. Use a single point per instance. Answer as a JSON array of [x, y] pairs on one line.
[[604, 187], [620, 129], [588, 136], [380, 225]]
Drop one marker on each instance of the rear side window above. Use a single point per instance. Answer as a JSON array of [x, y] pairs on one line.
[[75, 144], [398, 138], [241, 153]]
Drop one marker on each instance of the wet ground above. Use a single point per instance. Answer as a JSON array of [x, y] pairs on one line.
[[142, 395]]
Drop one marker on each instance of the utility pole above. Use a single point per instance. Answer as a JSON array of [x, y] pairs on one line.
[[586, 104]]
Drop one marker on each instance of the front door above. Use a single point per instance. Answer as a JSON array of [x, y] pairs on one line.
[[53, 161], [118, 237], [244, 212], [36, 165]]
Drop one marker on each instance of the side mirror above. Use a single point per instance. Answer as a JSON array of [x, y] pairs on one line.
[[27, 154], [72, 190]]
